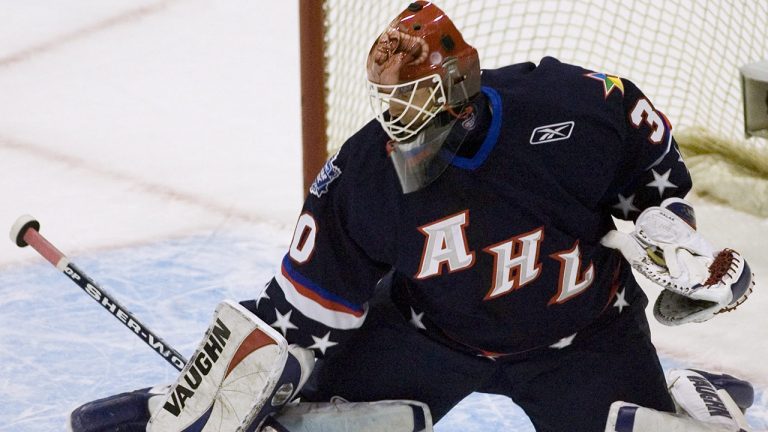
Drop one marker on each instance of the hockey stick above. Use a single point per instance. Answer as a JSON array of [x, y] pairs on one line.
[[26, 232]]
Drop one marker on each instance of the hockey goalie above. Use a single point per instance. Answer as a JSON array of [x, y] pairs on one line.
[[463, 241]]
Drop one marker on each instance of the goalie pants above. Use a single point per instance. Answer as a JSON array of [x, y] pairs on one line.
[[569, 389]]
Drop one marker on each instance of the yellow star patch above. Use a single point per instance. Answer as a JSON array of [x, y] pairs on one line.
[[610, 82]]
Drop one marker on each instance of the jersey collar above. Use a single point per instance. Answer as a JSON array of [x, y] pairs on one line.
[[474, 162]]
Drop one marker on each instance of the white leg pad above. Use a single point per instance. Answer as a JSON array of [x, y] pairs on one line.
[[701, 400], [382, 416], [701, 407], [240, 373], [627, 417]]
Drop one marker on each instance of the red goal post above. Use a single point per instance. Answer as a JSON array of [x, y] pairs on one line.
[[684, 54]]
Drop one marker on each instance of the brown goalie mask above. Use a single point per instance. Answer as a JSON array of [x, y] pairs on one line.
[[419, 67]]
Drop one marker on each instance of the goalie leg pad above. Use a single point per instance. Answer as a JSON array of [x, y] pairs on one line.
[[125, 412], [702, 400], [340, 416], [742, 392], [627, 417], [240, 374], [705, 402]]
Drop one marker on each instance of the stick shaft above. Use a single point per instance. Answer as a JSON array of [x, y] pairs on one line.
[[61, 262]]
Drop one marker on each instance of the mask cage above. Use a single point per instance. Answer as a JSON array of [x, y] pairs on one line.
[[382, 97]]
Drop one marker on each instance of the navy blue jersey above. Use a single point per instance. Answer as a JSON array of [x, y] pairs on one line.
[[501, 253]]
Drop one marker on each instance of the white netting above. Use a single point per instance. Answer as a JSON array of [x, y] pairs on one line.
[[684, 54]]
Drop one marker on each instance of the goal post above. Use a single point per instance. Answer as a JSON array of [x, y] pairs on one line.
[[313, 91], [684, 54]]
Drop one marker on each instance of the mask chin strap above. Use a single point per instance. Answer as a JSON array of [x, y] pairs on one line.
[[456, 84], [465, 112]]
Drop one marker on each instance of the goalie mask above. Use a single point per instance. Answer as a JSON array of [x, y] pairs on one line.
[[421, 72]]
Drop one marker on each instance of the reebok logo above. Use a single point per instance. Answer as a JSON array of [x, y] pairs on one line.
[[551, 133]]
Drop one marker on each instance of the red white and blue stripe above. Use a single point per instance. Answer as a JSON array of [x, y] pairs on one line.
[[316, 302]]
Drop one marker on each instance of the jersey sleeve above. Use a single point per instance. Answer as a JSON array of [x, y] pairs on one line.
[[319, 295], [652, 168]]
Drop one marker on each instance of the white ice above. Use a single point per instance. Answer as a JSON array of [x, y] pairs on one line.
[[158, 142]]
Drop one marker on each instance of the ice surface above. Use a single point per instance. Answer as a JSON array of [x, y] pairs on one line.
[[157, 141], [59, 349]]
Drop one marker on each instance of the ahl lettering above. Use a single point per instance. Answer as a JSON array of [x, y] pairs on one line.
[[516, 259]]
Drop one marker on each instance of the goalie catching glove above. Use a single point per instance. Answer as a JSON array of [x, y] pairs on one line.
[[698, 281]]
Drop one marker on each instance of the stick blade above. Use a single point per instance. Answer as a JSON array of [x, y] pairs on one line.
[[20, 227]]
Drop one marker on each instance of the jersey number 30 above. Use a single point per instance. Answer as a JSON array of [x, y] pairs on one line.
[[644, 113]]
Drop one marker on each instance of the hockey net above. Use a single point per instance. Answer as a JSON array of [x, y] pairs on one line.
[[684, 54]]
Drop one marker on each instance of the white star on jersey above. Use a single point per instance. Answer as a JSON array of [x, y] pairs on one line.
[[263, 296], [626, 205], [680, 155], [564, 342], [661, 182], [323, 343], [283, 322], [620, 303], [680, 159], [416, 320]]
